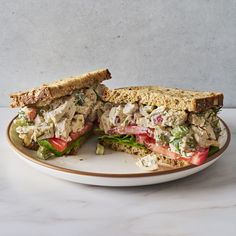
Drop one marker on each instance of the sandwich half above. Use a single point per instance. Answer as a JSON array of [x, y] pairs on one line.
[[164, 126], [56, 118]]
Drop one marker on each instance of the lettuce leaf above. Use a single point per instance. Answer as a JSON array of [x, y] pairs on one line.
[[74, 144], [122, 139], [130, 141], [212, 150]]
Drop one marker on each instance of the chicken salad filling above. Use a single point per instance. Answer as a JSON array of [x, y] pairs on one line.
[[54, 128], [172, 133], [60, 127]]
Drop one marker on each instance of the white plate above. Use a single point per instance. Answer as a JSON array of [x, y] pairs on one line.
[[111, 169]]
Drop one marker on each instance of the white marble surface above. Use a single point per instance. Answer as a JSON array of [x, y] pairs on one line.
[[32, 203], [186, 44]]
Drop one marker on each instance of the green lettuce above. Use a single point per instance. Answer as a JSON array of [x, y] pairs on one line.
[[130, 141], [122, 139], [212, 150], [45, 147]]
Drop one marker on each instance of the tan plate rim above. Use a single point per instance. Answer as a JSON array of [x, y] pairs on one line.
[[108, 175]]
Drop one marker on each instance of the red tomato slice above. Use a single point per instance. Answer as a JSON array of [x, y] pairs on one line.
[[164, 150], [59, 144], [74, 135], [134, 129], [199, 156], [31, 113], [151, 144], [140, 138], [144, 139], [131, 130]]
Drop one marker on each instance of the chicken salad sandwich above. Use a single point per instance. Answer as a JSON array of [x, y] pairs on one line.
[[164, 126], [55, 119], [161, 126]]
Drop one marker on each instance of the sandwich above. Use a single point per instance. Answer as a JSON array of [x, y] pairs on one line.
[[57, 118], [164, 127]]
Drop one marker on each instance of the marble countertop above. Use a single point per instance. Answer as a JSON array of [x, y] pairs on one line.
[[32, 203]]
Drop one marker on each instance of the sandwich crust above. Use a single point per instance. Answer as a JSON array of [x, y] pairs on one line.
[[143, 152], [43, 95], [178, 99]]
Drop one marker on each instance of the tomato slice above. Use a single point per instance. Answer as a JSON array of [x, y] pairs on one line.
[[129, 130], [59, 144], [31, 113], [164, 150], [74, 135], [199, 156], [140, 138], [196, 158], [132, 130], [151, 144], [144, 139]]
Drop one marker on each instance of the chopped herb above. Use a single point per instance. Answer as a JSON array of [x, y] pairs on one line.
[[176, 143], [217, 110], [21, 114], [80, 98], [180, 131], [191, 142], [98, 97], [163, 138]]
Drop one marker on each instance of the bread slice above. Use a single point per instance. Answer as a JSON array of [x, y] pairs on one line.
[[143, 152], [46, 93], [178, 99]]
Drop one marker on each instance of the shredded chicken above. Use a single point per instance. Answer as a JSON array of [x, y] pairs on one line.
[[63, 116]]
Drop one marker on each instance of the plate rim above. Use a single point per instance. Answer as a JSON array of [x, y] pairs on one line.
[[113, 175]]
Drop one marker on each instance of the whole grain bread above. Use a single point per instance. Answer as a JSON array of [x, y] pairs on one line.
[[43, 95], [143, 152], [171, 98]]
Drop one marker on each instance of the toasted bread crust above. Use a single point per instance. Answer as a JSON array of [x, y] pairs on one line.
[[143, 152], [48, 92], [178, 99]]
